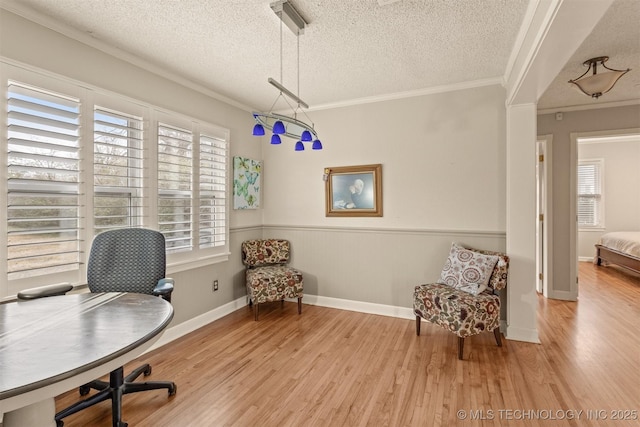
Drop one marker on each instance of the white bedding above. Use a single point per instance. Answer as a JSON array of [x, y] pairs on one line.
[[627, 242]]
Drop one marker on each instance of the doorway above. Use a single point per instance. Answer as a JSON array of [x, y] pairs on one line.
[[612, 158]]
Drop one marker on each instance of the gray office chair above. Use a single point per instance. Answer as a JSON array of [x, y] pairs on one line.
[[124, 260]]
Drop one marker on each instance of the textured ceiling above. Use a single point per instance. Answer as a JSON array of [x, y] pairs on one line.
[[351, 50], [617, 36]]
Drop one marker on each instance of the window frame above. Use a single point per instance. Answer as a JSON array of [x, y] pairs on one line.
[[92, 97]]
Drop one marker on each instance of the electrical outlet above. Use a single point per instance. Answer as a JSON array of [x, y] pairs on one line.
[[215, 285]]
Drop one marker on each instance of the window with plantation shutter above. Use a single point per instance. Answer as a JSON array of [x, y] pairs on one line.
[[175, 171], [117, 170], [590, 195], [212, 192], [78, 160], [43, 169]]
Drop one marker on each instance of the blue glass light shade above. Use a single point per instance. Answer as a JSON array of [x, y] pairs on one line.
[[258, 130], [275, 139], [306, 136], [278, 128], [299, 146], [317, 145]]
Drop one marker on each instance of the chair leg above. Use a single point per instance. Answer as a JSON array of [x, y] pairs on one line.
[[149, 385], [98, 385], [282, 303], [144, 369], [418, 321], [255, 311], [496, 333], [79, 406], [460, 347], [299, 305], [114, 392]]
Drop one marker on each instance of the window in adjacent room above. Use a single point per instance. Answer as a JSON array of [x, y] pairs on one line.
[[590, 194]]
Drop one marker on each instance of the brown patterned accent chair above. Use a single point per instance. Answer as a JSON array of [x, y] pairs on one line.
[[465, 299], [268, 276]]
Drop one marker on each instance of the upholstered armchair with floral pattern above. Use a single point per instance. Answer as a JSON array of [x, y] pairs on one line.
[[268, 276], [465, 300]]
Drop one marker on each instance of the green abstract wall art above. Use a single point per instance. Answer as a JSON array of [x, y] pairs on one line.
[[246, 183]]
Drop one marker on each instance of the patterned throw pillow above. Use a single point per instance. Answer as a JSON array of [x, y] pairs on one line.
[[467, 270]]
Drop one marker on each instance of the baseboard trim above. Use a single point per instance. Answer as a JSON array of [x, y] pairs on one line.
[[563, 295], [191, 325], [520, 334], [361, 307], [184, 328]]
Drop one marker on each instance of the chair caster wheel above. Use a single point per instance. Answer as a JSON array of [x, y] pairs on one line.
[[147, 371], [173, 390], [59, 423], [84, 390]]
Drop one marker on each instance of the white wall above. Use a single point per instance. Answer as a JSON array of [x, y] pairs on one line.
[[443, 167], [442, 156], [621, 190], [521, 206]]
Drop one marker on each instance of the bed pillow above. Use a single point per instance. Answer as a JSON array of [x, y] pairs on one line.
[[467, 270]]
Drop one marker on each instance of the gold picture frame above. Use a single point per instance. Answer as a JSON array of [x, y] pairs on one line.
[[353, 190]]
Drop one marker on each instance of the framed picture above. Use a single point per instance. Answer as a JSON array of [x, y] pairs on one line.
[[353, 190], [246, 183]]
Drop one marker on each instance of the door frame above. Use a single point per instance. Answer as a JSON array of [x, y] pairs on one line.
[[544, 223]]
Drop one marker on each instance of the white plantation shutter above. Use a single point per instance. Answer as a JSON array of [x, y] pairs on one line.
[[117, 170], [175, 169], [77, 161], [43, 170], [590, 193], [212, 192]]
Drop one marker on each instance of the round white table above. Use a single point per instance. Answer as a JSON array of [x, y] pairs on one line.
[[51, 345]]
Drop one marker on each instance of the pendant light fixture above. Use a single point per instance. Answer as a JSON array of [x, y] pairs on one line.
[[597, 84], [279, 124]]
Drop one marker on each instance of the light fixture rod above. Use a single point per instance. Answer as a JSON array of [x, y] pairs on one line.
[[289, 15], [294, 127], [288, 92]]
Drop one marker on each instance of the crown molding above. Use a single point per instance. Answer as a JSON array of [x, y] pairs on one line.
[[582, 107], [412, 93]]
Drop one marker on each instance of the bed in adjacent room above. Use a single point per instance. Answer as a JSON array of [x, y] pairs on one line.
[[621, 248]]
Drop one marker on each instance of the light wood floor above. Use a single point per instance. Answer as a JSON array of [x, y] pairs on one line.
[[330, 367]]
